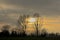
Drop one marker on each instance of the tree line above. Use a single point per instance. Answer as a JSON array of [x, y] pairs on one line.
[[21, 29]]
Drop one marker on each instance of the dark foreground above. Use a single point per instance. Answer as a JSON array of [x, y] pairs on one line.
[[6, 36], [29, 38]]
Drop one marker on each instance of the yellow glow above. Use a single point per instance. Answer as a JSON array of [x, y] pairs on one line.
[[51, 24], [30, 23], [32, 20]]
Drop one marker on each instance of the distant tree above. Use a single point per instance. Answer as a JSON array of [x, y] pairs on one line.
[[6, 27], [5, 30], [5, 33], [57, 34], [44, 32]]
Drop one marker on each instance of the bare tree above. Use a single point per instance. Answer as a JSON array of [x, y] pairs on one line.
[[37, 24], [21, 22]]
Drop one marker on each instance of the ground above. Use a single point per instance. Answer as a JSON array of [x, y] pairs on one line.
[[29, 38]]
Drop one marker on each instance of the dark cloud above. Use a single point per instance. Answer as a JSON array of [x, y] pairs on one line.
[[27, 3], [46, 7], [9, 18]]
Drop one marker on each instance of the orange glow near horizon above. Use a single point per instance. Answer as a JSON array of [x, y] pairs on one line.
[[51, 24]]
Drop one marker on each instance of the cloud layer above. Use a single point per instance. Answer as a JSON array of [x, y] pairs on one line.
[[44, 7]]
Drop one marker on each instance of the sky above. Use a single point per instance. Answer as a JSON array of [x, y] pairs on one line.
[[48, 9]]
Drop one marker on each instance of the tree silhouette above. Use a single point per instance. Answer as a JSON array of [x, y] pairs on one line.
[[44, 32], [6, 27], [21, 22], [36, 15], [5, 30]]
